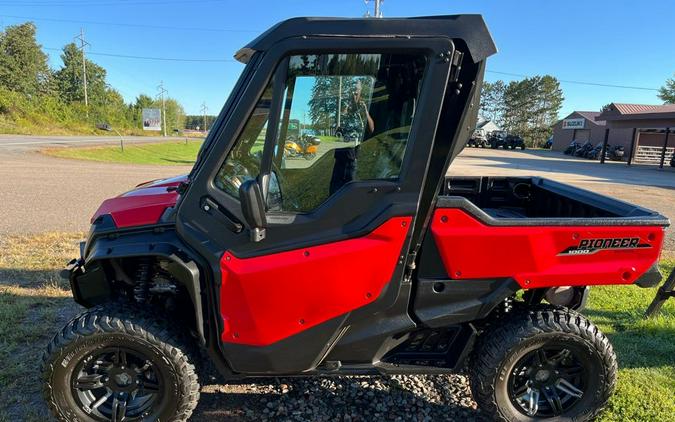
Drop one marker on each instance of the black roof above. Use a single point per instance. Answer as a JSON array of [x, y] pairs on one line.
[[469, 28]]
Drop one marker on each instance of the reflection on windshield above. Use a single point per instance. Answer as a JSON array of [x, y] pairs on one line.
[[344, 117]]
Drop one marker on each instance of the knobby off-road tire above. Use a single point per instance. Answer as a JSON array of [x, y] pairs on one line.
[[502, 349], [106, 338]]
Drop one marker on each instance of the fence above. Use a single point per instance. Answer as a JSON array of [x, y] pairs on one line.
[[652, 155]]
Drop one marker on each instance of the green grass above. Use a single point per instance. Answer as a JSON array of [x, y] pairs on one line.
[[645, 349], [165, 153], [328, 138], [34, 301]]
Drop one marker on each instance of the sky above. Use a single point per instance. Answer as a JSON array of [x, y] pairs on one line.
[[615, 42]]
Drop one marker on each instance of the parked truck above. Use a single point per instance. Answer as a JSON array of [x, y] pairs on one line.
[[358, 261]]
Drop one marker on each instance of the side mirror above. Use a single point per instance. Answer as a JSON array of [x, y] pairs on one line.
[[253, 208]]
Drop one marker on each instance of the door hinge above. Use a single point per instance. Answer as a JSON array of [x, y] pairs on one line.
[[455, 70], [180, 189]]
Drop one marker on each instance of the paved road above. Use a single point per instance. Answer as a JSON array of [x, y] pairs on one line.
[[41, 193], [488, 162], [22, 143]]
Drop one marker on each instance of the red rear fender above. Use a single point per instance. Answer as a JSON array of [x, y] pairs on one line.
[[544, 256]]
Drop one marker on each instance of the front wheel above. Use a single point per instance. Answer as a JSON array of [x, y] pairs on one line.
[[119, 363], [549, 362]]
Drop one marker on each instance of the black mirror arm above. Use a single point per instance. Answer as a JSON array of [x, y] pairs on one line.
[[253, 208]]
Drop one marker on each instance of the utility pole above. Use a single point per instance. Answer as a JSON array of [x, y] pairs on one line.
[[83, 44], [203, 110], [378, 8], [161, 93]]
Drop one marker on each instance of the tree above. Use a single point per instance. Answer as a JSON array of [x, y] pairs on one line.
[[136, 108], [23, 65], [531, 107], [70, 82], [667, 92], [326, 92], [175, 113], [197, 121], [492, 102]]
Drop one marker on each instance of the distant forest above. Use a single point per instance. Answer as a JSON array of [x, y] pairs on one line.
[[36, 99]]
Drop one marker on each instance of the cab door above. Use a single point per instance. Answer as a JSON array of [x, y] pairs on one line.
[[337, 132]]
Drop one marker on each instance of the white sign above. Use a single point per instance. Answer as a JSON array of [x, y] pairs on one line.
[[152, 119], [574, 123]]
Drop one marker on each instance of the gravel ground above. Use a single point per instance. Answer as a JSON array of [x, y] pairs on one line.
[[349, 399]]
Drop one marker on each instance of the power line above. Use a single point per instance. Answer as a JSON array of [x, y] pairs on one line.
[[170, 59], [181, 59], [133, 25], [102, 3], [520, 75]]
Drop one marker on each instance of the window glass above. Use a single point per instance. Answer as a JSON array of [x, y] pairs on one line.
[[345, 117], [243, 161]]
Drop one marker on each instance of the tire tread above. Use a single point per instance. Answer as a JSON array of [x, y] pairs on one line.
[[498, 341], [135, 321]]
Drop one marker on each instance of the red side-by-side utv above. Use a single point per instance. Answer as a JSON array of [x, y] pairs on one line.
[[359, 260]]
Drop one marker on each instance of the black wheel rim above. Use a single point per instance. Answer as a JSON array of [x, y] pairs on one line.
[[548, 381], [117, 384]]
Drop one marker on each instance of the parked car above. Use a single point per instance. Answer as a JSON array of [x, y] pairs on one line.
[[346, 266], [548, 144]]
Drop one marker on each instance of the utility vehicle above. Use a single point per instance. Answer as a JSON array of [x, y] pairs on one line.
[[478, 139], [358, 261], [506, 141]]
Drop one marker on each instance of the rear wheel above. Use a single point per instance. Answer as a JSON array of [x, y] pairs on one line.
[[119, 363], [549, 362]]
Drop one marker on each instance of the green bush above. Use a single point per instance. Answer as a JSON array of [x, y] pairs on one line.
[[49, 115]]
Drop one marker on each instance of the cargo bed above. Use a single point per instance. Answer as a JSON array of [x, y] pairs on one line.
[[537, 201], [540, 233]]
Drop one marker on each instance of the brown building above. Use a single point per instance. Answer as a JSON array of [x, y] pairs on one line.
[[647, 128], [581, 126]]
